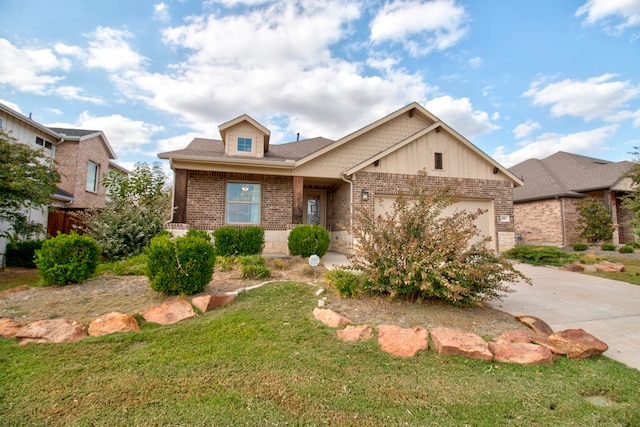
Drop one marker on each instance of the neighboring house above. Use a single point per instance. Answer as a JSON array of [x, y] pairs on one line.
[[245, 180], [545, 206], [81, 158]]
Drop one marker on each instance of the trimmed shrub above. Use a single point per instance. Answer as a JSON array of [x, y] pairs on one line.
[[346, 283], [608, 247], [634, 245], [67, 258], [22, 253], [180, 266], [192, 232], [307, 240], [579, 247], [540, 255], [254, 267], [625, 249], [231, 241]]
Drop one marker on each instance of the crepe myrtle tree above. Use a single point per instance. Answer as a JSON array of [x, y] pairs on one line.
[[594, 220], [137, 207], [416, 252], [27, 180], [632, 200]]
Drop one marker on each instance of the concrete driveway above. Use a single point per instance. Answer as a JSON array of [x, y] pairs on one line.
[[607, 309]]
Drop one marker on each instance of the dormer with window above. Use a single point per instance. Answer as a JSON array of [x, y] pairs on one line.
[[244, 136]]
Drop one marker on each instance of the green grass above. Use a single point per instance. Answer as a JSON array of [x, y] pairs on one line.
[[133, 266], [264, 360], [10, 279], [631, 273]]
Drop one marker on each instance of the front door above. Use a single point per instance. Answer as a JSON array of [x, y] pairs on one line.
[[314, 207]]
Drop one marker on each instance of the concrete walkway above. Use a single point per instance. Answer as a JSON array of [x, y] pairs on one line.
[[607, 309]]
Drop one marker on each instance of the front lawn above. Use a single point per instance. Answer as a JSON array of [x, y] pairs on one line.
[[264, 360], [631, 273]]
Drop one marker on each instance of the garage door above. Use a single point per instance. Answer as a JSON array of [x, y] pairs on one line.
[[484, 222]]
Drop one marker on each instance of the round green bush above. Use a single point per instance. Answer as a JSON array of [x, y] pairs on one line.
[[608, 247], [625, 249], [306, 240], [180, 266], [578, 247], [67, 258]]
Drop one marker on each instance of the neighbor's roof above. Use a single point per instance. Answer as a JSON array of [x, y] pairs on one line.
[[83, 134], [566, 175]]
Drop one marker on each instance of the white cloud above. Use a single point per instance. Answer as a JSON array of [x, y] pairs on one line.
[[269, 62], [180, 141], [624, 13], [460, 115], [161, 12], [547, 144], [524, 129], [596, 97], [109, 50], [11, 105], [124, 134], [421, 26], [32, 70], [475, 62]]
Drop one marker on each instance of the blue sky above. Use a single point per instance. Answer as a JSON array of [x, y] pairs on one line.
[[519, 79]]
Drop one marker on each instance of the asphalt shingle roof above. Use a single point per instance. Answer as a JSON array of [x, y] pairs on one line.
[[565, 174]]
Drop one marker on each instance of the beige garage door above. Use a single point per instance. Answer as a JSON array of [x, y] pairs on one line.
[[484, 222]]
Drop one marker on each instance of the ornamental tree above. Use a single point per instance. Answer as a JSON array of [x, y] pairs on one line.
[[594, 221], [135, 213], [416, 252], [27, 180]]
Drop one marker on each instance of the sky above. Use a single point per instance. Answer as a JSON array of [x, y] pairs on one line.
[[519, 79]]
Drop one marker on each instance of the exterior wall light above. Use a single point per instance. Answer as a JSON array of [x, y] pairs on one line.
[[365, 195]]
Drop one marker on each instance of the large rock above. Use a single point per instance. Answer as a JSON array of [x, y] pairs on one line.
[[452, 342], [206, 303], [9, 328], [519, 352], [537, 325], [355, 333], [402, 341], [576, 268], [169, 312], [609, 267], [330, 317], [54, 330], [513, 336], [113, 322], [581, 344], [556, 347]]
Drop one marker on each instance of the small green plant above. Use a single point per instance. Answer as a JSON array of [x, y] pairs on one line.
[[67, 258], [182, 265], [278, 263], [232, 241], [540, 255], [192, 232], [608, 247], [254, 267], [634, 245], [22, 253], [346, 283], [579, 247], [132, 266], [225, 263], [307, 240], [626, 249]]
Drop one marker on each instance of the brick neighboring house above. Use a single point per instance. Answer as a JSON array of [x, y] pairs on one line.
[[243, 179], [75, 152], [545, 206]]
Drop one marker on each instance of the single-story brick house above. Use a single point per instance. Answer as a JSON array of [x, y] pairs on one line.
[[243, 179], [545, 206]]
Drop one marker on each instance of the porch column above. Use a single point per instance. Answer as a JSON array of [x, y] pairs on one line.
[[180, 196], [298, 200]]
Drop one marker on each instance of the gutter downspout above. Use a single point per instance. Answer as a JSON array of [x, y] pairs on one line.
[[562, 221], [342, 175]]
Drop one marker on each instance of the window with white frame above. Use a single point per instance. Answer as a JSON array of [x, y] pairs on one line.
[[243, 203], [41, 142], [244, 145], [92, 177]]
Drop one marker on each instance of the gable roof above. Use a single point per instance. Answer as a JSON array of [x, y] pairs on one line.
[[295, 154], [245, 118], [30, 121], [566, 175], [83, 135]]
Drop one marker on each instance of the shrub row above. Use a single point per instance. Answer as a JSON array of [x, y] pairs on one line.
[[22, 253], [230, 241]]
